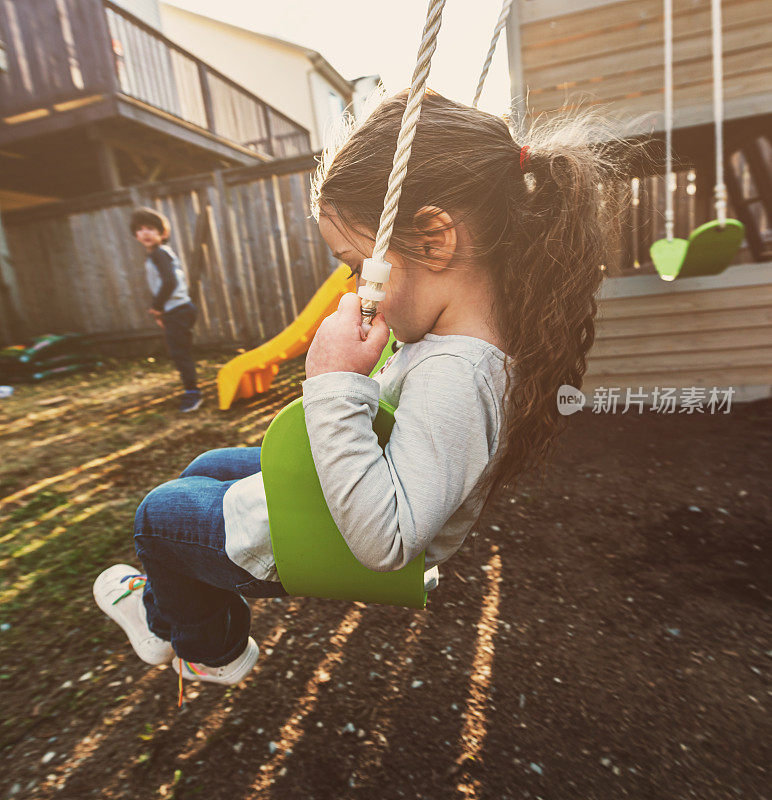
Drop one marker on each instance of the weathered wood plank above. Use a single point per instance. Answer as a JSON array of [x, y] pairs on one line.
[[246, 240], [268, 278], [597, 66], [22, 265], [240, 278], [654, 362], [691, 80], [222, 242], [741, 297], [681, 378], [269, 219], [263, 254], [673, 324], [281, 228], [84, 273], [694, 342], [218, 283], [14, 320], [625, 27]]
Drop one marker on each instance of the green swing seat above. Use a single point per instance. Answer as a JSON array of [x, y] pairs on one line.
[[709, 250], [312, 558]]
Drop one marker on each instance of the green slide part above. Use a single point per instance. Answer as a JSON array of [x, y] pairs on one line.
[[708, 251], [312, 558]]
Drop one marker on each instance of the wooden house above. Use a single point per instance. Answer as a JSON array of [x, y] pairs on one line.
[[94, 98], [296, 79], [701, 332]]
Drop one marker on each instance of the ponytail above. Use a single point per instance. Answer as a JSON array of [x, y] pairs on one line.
[[562, 211]]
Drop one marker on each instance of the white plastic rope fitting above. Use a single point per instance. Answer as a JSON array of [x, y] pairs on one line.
[[369, 292], [375, 270]]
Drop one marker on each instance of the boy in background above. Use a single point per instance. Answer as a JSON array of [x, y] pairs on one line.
[[171, 306]]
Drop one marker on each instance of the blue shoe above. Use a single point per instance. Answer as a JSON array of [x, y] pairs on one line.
[[191, 401]]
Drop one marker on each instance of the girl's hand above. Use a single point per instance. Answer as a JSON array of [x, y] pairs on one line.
[[341, 346]]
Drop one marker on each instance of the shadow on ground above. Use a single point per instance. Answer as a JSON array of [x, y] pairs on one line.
[[604, 635]]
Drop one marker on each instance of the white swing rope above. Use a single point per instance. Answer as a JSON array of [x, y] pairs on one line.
[[718, 112], [669, 177], [502, 21], [375, 270]]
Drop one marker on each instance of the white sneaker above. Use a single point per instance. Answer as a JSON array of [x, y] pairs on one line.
[[117, 592], [228, 674]]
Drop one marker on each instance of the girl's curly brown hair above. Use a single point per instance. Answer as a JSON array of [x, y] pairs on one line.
[[541, 207]]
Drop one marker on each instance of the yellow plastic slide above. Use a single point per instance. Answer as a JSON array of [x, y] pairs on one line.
[[252, 373]]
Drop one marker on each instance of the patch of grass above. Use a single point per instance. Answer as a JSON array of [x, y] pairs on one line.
[[147, 733], [144, 418], [47, 566], [40, 502], [55, 571]]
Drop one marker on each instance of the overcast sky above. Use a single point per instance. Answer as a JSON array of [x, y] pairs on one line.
[[361, 37]]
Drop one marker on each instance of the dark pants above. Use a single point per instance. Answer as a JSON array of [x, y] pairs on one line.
[[194, 591], [178, 331]]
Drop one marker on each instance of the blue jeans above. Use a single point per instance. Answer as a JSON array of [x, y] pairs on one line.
[[178, 332], [195, 594]]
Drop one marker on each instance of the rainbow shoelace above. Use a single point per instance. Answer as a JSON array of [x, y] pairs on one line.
[[192, 668], [139, 582], [135, 582]]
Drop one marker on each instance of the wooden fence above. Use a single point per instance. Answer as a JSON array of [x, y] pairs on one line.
[[251, 252]]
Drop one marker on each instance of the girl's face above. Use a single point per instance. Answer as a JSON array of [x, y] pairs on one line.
[[411, 306]]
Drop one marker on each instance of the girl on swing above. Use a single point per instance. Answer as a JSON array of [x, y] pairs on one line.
[[496, 257]]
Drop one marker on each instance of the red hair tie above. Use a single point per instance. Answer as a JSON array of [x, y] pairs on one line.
[[523, 158]]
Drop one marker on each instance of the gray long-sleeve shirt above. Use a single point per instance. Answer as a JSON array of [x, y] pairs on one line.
[[417, 494], [166, 279]]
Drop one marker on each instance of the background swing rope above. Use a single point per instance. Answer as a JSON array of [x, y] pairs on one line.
[[489, 58], [718, 111], [669, 188], [404, 145]]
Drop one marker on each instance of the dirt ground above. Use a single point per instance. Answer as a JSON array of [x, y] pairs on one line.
[[604, 635]]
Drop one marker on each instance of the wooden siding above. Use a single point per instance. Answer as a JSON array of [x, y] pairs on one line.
[[249, 249], [613, 54], [56, 53], [700, 332], [63, 53]]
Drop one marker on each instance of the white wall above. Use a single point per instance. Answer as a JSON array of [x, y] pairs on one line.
[[363, 89], [281, 75], [147, 10], [329, 105]]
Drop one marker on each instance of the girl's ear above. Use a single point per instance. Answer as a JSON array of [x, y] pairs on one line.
[[437, 238]]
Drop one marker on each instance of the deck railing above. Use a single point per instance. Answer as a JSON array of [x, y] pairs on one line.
[[63, 50]]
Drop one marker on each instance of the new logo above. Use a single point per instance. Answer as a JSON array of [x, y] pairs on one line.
[[570, 400]]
